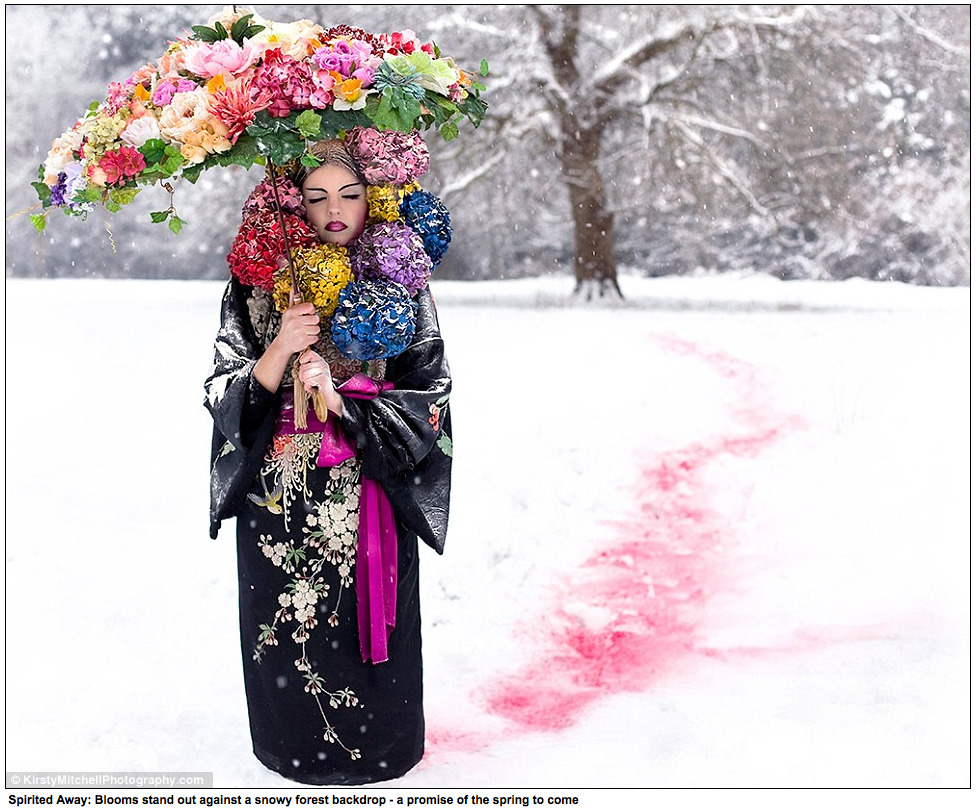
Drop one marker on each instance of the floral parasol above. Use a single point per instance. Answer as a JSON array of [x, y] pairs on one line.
[[243, 90]]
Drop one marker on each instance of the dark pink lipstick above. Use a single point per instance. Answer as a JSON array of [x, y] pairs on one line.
[[336, 227]]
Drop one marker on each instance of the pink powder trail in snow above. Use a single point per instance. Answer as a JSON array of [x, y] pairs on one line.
[[631, 611]]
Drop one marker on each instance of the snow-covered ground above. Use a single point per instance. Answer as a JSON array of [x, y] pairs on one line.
[[717, 537]]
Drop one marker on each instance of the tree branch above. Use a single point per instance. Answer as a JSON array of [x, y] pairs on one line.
[[928, 35]]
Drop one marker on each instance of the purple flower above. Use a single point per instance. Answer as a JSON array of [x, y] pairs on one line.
[[391, 251]]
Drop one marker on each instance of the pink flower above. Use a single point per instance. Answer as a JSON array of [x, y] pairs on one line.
[[225, 57], [237, 106], [121, 164], [166, 91], [117, 97], [288, 81], [388, 157]]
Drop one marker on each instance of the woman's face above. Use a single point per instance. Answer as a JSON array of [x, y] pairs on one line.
[[336, 204]]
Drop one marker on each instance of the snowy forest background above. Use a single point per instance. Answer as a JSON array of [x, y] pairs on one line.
[[819, 142]]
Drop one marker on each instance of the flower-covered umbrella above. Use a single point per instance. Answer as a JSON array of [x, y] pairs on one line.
[[246, 90], [243, 90]]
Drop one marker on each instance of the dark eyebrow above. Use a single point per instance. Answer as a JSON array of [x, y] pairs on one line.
[[342, 188]]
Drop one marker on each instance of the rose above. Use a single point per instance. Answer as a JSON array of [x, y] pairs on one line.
[[139, 130]]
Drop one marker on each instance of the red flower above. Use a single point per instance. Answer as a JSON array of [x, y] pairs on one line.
[[259, 246], [121, 164]]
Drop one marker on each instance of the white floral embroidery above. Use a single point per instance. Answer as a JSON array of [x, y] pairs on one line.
[[329, 537]]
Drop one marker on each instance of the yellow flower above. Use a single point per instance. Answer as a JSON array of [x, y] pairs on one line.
[[322, 272], [217, 84], [350, 89], [383, 202]]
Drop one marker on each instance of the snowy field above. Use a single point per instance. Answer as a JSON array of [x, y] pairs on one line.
[[717, 537]]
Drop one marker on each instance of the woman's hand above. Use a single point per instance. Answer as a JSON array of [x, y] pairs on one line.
[[299, 330], [314, 372]]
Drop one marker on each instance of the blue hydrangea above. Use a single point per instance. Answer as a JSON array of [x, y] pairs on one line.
[[427, 216], [375, 319]]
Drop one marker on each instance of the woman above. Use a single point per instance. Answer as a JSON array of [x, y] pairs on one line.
[[332, 698]]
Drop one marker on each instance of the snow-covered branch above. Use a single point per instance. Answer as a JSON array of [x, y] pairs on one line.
[[928, 35]]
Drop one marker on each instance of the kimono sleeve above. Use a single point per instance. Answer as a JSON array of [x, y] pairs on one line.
[[403, 435], [243, 410]]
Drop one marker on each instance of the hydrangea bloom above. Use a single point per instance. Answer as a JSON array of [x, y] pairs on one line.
[[263, 199], [392, 251], [429, 217], [259, 246], [374, 320], [388, 157], [121, 164], [322, 272]]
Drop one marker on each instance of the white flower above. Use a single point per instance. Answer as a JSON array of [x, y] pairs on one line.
[[139, 130]]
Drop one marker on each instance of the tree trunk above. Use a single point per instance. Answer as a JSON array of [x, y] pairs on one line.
[[595, 256]]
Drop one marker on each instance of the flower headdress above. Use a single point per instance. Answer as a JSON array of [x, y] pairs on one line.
[[364, 291]]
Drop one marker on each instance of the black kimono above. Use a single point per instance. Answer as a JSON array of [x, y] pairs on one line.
[[318, 713]]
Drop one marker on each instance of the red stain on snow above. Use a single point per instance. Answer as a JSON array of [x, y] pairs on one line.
[[631, 611], [633, 608]]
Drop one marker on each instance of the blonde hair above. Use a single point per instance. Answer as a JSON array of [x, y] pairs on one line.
[[330, 152]]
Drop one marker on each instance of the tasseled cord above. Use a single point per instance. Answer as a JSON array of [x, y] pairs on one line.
[[301, 401]]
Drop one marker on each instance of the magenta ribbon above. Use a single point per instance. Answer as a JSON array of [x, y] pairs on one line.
[[376, 568]]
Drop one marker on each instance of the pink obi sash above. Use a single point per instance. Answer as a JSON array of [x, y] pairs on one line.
[[376, 567]]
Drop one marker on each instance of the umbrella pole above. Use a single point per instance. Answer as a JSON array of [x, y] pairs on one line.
[[300, 399]]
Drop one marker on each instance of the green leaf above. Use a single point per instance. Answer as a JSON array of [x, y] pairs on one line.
[[174, 160], [40, 221], [333, 122], [308, 124], [43, 193], [449, 131], [243, 153], [394, 109], [474, 109], [153, 150], [251, 31], [91, 194], [222, 32], [484, 68], [123, 196], [159, 216], [191, 173], [445, 443], [205, 34], [175, 224], [310, 160], [239, 28]]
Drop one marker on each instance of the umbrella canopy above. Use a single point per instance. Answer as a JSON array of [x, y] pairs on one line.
[[243, 90]]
